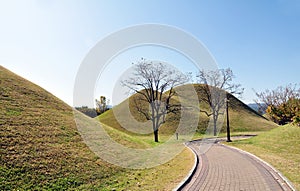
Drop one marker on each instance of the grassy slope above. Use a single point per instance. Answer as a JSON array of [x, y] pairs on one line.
[[41, 147], [280, 147]]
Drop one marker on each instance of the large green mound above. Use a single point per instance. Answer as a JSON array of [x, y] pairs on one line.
[[40, 145], [41, 148], [242, 117]]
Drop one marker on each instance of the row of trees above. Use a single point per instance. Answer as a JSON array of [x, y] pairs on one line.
[[91, 112]]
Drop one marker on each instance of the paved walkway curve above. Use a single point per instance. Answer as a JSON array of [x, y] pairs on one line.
[[227, 169]]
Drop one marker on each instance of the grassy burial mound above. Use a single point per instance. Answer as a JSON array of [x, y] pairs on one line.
[[242, 117], [41, 147]]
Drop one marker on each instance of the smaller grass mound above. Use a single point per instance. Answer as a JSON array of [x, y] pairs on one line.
[[280, 148]]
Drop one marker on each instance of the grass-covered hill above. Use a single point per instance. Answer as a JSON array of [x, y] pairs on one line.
[[40, 145], [242, 117], [41, 148]]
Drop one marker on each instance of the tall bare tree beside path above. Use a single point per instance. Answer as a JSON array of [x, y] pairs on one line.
[[155, 82], [214, 89]]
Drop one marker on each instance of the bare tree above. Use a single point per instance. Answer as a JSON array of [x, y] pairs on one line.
[[281, 104], [155, 83], [214, 89]]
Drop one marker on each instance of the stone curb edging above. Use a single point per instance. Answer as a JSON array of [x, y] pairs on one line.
[[286, 181], [188, 177]]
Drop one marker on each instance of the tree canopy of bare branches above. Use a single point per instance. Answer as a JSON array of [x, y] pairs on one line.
[[155, 82], [281, 104], [215, 85]]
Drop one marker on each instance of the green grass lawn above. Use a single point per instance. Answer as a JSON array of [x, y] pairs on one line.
[[280, 147]]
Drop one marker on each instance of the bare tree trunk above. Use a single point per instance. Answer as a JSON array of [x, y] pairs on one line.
[[155, 129], [156, 135], [215, 124]]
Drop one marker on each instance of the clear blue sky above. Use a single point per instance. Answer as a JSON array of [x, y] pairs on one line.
[[46, 41]]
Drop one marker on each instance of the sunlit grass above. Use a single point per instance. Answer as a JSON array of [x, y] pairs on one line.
[[41, 148], [280, 147]]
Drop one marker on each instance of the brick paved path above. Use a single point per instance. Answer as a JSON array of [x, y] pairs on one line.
[[226, 169]]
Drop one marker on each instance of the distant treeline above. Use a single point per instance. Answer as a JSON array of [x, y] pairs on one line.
[[91, 112]]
